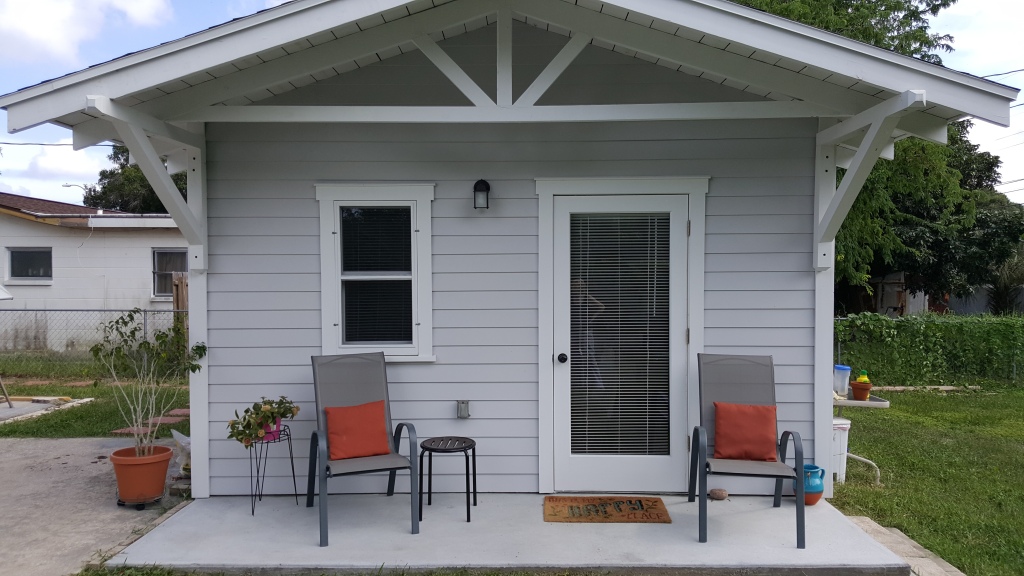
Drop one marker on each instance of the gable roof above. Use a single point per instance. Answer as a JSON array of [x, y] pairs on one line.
[[75, 216], [40, 207], [306, 41]]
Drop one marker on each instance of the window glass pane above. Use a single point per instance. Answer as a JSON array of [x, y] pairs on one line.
[[32, 264], [376, 239], [165, 262], [619, 266], [377, 311]]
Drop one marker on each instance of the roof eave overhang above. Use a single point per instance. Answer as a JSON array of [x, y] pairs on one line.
[[969, 94], [965, 94]]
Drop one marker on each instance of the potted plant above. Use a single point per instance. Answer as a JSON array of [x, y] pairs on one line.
[[139, 365], [262, 421]]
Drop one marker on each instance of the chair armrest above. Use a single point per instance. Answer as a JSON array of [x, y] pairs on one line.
[[699, 445], [412, 437], [798, 449]]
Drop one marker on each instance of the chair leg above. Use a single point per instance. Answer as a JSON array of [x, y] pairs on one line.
[[414, 495], [323, 503], [778, 493], [311, 486], [703, 506], [693, 470], [421, 483], [391, 482], [800, 535]]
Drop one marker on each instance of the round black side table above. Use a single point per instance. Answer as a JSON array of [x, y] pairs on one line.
[[447, 445]]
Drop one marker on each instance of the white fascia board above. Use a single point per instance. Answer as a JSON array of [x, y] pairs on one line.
[[141, 222], [512, 114], [226, 43], [972, 95]]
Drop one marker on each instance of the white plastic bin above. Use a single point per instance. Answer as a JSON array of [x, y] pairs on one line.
[[840, 446], [841, 379]]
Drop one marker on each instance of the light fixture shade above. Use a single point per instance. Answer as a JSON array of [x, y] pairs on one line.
[[480, 191]]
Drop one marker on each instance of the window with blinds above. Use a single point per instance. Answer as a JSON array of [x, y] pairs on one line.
[[619, 334], [376, 275], [165, 263]]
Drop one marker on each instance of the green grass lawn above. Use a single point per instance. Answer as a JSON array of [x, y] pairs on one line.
[[952, 474], [97, 418]]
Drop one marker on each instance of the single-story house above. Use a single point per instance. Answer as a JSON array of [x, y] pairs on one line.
[[662, 182], [66, 256], [61, 262]]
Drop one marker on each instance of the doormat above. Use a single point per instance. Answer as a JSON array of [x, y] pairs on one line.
[[605, 509]]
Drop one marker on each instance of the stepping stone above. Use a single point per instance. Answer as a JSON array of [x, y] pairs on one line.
[[164, 420], [179, 412], [130, 431]]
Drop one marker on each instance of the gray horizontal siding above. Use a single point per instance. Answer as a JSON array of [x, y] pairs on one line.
[[264, 280]]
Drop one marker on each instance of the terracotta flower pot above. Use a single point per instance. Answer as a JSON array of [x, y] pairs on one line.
[[141, 479], [861, 390]]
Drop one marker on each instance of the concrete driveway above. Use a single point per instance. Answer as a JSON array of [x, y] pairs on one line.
[[58, 505]]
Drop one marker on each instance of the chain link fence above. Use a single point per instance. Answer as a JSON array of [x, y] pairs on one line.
[[56, 343]]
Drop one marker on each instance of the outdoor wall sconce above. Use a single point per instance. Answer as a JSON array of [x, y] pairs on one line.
[[480, 191]]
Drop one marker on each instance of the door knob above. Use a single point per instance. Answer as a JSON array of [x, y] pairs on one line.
[[563, 358]]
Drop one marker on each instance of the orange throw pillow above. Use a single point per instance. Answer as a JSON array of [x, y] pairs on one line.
[[357, 431], [745, 432]]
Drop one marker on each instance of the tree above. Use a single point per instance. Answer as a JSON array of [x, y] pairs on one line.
[[933, 211], [125, 187], [897, 25]]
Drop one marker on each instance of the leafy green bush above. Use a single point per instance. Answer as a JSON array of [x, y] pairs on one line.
[[932, 349]]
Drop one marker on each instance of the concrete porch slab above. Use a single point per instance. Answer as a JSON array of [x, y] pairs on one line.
[[745, 536]]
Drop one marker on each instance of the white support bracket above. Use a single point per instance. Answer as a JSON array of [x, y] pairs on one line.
[[554, 69], [153, 168], [504, 55], [453, 71], [879, 122], [107, 108]]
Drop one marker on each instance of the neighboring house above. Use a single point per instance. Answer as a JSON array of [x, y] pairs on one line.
[[662, 183], [64, 256]]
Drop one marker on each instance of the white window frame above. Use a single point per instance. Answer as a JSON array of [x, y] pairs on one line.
[[418, 197], [12, 280], [165, 297]]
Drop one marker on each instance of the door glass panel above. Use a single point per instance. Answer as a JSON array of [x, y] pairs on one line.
[[619, 333]]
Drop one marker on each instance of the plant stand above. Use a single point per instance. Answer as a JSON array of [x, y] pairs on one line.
[[258, 466]]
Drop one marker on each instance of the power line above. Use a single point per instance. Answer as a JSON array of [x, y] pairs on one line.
[[1003, 73], [1010, 182]]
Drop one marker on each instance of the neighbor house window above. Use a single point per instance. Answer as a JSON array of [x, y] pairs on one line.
[[375, 269], [166, 262], [32, 264]]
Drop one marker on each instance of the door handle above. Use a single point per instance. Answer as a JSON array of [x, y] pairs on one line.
[[563, 358]]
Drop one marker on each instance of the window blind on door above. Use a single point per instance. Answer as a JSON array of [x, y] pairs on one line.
[[619, 333]]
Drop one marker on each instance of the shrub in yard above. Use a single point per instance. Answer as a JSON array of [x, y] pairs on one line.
[[932, 349], [126, 352]]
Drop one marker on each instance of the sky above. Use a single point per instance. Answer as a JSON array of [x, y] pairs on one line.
[[44, 39]]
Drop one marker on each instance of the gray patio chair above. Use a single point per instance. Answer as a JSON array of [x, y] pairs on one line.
[[351, 380], [740, 380]]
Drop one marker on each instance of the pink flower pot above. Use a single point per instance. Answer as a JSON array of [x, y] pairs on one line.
[[272, 433]]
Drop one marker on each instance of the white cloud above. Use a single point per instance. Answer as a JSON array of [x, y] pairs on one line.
[[39, 171], [40, 30]]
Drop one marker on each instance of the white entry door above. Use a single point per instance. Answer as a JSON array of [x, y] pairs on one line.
[[620, 343]]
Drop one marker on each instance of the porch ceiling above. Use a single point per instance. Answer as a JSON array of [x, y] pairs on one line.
[[305, 42]]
